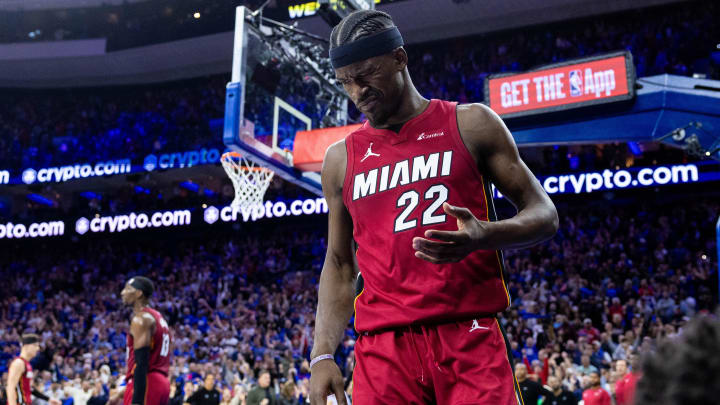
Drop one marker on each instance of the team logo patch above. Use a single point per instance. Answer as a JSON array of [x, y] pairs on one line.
[[476, 326], [369, 153], [423, 135]]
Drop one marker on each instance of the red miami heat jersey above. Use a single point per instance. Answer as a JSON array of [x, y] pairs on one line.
[[24, 387], [395, 185], [159, 347]]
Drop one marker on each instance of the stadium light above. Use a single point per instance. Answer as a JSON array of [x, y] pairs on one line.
[[694, 139], [40, 199], [187, 185], [91, 195], [196, 15]]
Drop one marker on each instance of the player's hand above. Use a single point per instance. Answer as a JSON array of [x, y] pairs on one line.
[[453, 246], [54, 401], [326, 379]]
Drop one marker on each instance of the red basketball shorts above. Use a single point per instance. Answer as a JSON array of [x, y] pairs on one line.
[[447, 364], [156, 393]]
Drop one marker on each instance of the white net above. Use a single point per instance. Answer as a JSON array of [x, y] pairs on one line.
[[250, 180]]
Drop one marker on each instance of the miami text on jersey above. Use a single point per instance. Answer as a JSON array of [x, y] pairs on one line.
[[404, 172]]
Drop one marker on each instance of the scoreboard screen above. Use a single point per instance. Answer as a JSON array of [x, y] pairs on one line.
[[287, 10], [562, 86]]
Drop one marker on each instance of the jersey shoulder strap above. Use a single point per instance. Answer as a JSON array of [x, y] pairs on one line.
[[24, 363]]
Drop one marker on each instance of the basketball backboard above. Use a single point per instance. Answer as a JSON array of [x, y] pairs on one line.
[[275, 91]]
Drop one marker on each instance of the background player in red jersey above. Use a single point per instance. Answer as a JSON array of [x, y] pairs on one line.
[[20, 376], [431, 279], [148, 348]]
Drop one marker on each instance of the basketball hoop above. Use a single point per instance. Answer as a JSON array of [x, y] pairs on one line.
[[250, 180]]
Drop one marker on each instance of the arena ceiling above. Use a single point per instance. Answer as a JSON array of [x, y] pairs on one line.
[[430, 20], [421, 20], [11, 5]]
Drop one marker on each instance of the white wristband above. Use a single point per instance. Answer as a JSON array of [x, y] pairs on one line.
[[321, 358]]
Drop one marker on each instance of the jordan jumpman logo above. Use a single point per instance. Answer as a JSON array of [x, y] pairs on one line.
[[476, 326], [369, 153]]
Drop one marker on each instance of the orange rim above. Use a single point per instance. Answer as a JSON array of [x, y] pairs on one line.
[[233, 154]]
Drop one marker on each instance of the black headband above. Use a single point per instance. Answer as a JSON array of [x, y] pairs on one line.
[[366, 47], [143, 284], [28, 340]]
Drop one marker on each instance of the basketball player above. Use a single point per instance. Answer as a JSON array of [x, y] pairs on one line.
[[20, 375], [412, 188], [148, 348]]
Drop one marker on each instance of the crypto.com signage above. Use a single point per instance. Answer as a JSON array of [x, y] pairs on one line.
[[634, 177], [133, 220], [61, 174], [572, 84], [573, 183], [181, 159]]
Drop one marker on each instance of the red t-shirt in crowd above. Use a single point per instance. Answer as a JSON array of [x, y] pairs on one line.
[[616, 309], [625, 389], [643, 291], [591, 333], [596, 396]]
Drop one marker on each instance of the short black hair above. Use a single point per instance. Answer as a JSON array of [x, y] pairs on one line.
[[29, 338], [683, 370], [143, 284], [358, 24]]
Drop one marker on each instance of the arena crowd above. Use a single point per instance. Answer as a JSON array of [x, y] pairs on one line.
[[614, 281], [618, 278], [42, 129]]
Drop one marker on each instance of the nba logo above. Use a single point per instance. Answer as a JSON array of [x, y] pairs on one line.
[[576, 83]]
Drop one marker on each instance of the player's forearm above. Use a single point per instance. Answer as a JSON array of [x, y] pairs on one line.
[[335, 305], [142, 361], [531, 225], [11, 395]]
